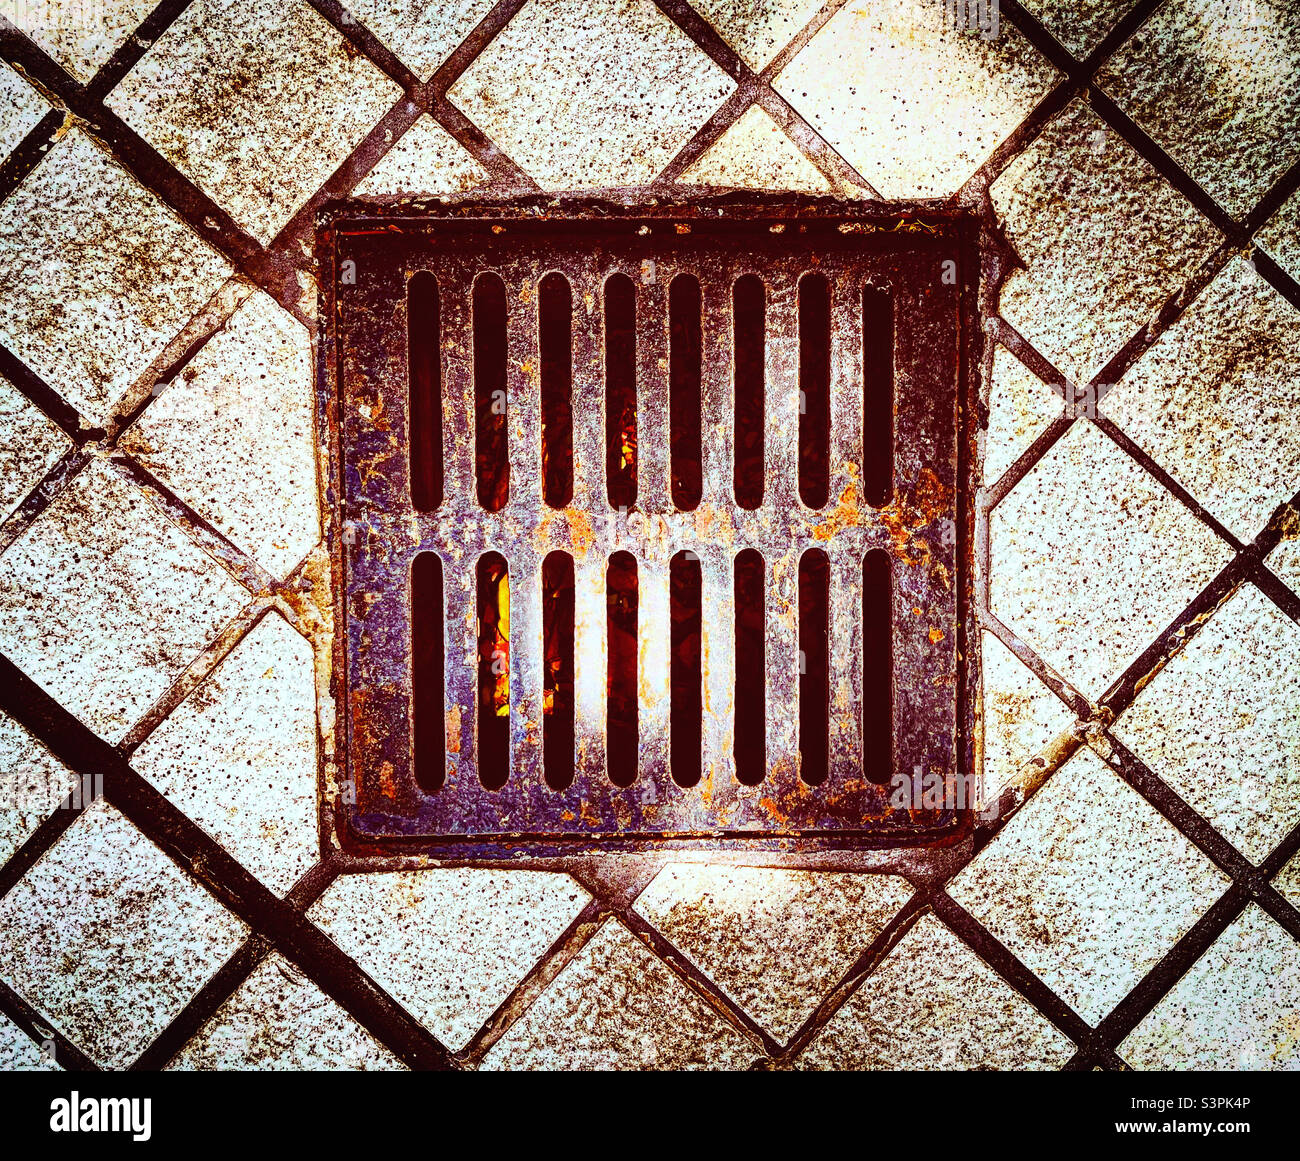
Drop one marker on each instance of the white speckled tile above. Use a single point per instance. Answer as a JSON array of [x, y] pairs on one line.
[[449, 945], [1234, 1010], [616, 1006], [757, 29], [1092, 558], [238, 756], [256, 101], [1280, 236], [1088, 885], [103, 602], [1105, 240], [755, 153], [1221, 723], [21, 108], [112, 963], [776, 941], [20, 1053], [423, 35], [32, 784], [233, 435], [1080, 25], [1287, 881], [1021, 405], [934, 1004], [99, 275], [1284, 560], [426, 159], [80, 35], [1218, 86], [931, 106], [1021, 715], [31, 443], [1214, 400], [277, 1019], [591, 92]]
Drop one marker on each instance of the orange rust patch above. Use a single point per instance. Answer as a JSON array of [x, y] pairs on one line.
[[581, 533], [936, 635], [846, 514], [453, 730]]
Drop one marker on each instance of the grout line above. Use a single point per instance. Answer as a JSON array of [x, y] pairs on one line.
[[563, 951], [205, 861], [129, 52], [66, 1054]]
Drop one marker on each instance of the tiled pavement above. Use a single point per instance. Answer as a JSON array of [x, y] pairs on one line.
[[1130, 897]]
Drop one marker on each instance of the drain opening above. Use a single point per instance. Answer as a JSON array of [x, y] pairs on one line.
[[557, 669], [814, 389], [877, 395], [621, 681], [493, 670], [425, 391], [687, 706], [814, 666], [555, 350], [877, 666], [751, 669], [427, 668], [749, 305], [620, 390], [492, 463], [685, 352]]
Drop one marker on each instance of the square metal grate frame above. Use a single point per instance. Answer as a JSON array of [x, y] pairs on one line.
[[927, 259]]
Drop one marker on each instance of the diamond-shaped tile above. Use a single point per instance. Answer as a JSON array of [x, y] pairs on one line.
[[239, 755], [423, 35], [21, 108], [1214, 400], [256, 101], [1020, 406], [591, 92], [426, 159], [755, 153], [1092, 558], [449, 945], [103, 602], [32, 784], [1220, 724], [1287, 881], [20, 1053], [1235, 1009], [30, 445], [1218, 86], [913, 104], [757, 29], [278, 1019], [1280, 237], [776, 941], [1088, 885], [1104, 238], [1284, 560], [109, 939], [1080, 25], [1021, 715], [616, 1006], [80, 36], [934, 1004], [98, 274], [233, 435]]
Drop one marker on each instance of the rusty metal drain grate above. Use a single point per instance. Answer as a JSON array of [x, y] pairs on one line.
[[651, 523]]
